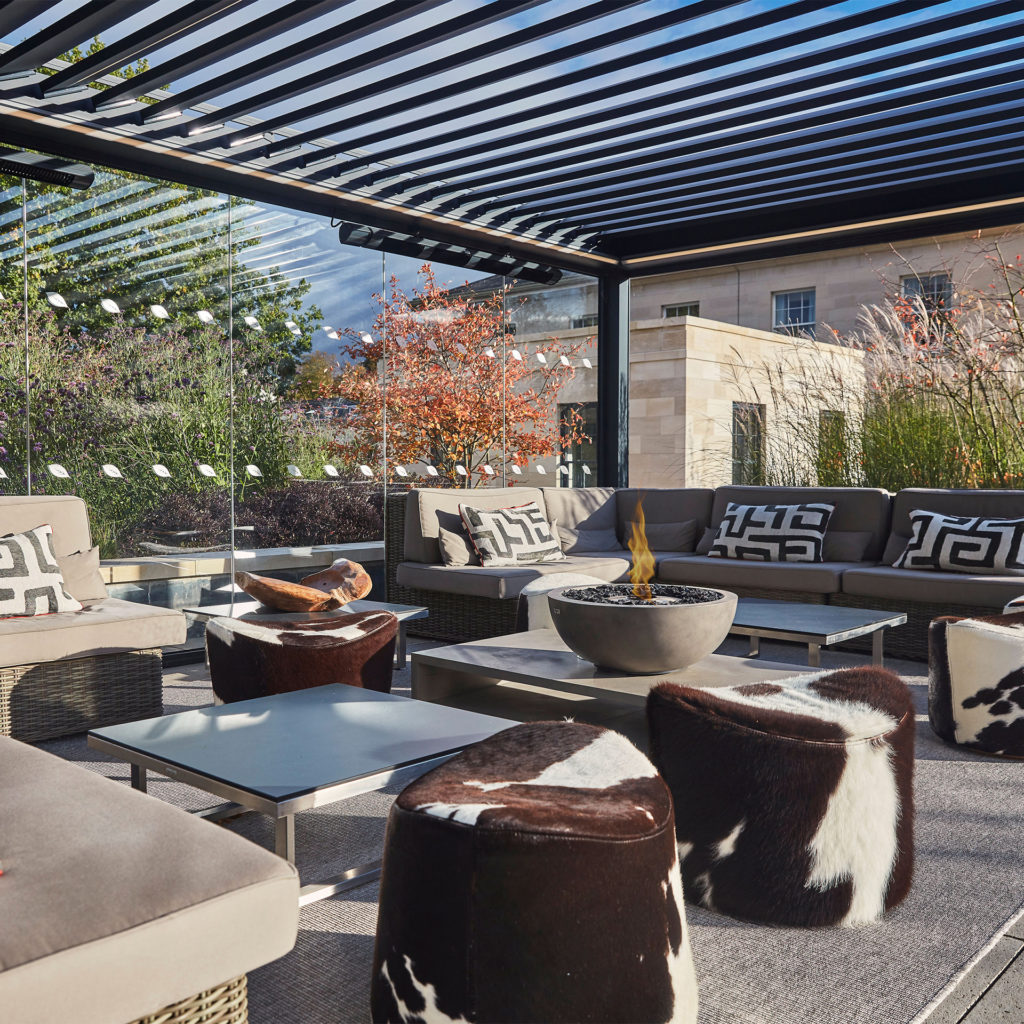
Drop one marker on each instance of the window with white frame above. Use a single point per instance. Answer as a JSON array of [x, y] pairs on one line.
[[681, 309], [793, 312], [936, 290]]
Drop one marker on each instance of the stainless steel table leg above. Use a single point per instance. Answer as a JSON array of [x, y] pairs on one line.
[[284, 837], [755, 647], [400, 648], [814, 655], [139, 778], [878, 647]]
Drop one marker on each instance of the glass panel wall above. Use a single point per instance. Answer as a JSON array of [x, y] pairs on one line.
[[228, 387]]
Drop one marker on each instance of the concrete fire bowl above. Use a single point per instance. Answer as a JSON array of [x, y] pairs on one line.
[[642, 638]]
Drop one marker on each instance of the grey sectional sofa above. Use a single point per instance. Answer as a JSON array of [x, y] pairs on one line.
[[867, 532]]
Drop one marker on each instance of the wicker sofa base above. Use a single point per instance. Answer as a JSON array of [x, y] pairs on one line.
[[58, 698], [225, 1004]]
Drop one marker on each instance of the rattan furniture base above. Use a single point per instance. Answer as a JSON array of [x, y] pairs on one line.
[[59, 698], [225, 1004]]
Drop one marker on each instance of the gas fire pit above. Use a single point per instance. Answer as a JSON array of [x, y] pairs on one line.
[[618, 626]]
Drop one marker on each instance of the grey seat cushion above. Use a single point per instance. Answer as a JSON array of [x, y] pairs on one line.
[[109, 626], [932, 587], [116, 904], [501, 583], [810, 577]]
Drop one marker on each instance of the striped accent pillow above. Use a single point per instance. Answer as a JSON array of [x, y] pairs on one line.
[[30, 578], [511, 536]]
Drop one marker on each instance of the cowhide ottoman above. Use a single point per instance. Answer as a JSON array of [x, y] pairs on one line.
[[976, 682], [256, 658], [793, 798], [534, 878]]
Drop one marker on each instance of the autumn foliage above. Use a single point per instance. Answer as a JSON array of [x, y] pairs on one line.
[[440, 368]]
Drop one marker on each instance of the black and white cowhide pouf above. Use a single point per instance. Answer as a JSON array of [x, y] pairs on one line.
[[534, 878], [976, 682], [251, 658], [794, 798]]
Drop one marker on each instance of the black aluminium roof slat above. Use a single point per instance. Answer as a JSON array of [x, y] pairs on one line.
[[138, 44], [487, 79], [447, 165], [755, 139], [278, 60], [841, 154], [15, 13], [859, 90], [892, 165], [441, 31], [501, 43], [83, 23], [250, 34], [762, 19], [807, 199], [773, 153]]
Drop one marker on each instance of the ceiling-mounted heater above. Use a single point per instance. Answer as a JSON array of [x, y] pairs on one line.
[[47, 169]]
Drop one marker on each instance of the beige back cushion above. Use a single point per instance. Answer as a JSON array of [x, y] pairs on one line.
[[66, 514], [581, 508], [427, 509], [858, 509]]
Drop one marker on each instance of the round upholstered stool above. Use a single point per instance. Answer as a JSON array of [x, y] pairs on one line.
[[976, 682], [258, 657], [793, 798], [533, 878], [533, 611]]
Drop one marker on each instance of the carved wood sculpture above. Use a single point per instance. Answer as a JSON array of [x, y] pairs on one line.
[[344, 580]]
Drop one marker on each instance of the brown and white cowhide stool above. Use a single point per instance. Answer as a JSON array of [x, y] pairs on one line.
[[976, 682], [256, 658], [793, 798], [534, 878]]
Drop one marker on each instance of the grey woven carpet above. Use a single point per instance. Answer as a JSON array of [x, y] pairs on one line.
[[969, 885]]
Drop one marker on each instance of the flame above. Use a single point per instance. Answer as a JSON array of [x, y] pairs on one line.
[[642, 570]]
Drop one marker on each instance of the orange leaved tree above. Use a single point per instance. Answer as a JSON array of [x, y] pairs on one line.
[[434, 369]]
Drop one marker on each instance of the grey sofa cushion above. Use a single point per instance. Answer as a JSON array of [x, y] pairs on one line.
[[586, 541], [810, 577], [581, 508], [663, 505], [81, 572], [932, 586], [845, 545], [116, 904], [429, 508], [669, 536], [109, 626], [857, 509], [501, 583], [456, 548]]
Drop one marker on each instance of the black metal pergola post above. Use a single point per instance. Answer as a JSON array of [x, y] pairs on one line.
[[613, 380]]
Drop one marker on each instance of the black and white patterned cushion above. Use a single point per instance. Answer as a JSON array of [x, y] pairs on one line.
[[30, 579], [975, 544], [773, 533], [511, 536]]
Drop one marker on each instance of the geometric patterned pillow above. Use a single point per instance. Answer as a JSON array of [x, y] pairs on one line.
[[985, 547], [30, 579], [773, 533], [511, 536]]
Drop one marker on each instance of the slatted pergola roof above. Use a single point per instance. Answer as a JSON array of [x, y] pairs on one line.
[[606, 136]]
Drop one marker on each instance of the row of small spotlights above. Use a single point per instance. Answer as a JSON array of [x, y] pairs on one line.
[[112, 471], [206, 317]]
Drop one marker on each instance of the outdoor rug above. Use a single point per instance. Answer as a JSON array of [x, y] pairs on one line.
[[968, 888]]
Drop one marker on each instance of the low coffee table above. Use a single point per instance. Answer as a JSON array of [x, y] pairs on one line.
[[293, 751], [816, 625], [539, 658], [249, 608]]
